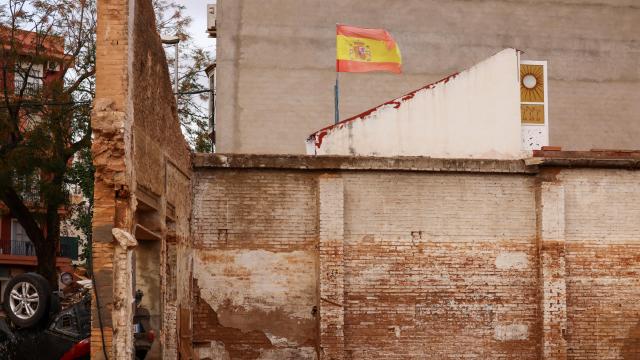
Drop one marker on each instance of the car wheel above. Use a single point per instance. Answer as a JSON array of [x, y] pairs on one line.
[[26, 299]]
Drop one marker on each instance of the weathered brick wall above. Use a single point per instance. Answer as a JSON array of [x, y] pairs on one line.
[[331, 271], [423, 255], [602, 209], [143, 183], [440, 265], [108, 123], [255, 261], [468, 263]]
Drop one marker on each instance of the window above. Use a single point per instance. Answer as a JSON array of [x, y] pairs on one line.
[[17, 231], [66, 323], [33, 78], [3, 284], [20, 242], [4, 278]]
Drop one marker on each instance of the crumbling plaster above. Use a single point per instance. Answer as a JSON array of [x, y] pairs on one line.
[[143, 177], [417, 258]]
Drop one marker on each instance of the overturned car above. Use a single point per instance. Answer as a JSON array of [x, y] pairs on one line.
[[38, 327], [42, 324]]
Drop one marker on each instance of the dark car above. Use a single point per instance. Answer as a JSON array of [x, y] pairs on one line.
[[36, 328]]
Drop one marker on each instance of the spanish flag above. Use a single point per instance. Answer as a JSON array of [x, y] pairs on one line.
[[364, 50]]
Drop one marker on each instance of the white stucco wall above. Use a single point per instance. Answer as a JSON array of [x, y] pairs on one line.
[[474, 114]]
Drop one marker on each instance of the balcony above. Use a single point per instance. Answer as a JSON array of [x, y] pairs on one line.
[[32, 88], [68, 248], [31, 197], [17, 247]]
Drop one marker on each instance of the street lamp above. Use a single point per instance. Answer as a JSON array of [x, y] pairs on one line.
[[173, 40]]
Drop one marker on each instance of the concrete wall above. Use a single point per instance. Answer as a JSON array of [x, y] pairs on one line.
[[142, 184], [472, 114], [364, 258], [276, 63]]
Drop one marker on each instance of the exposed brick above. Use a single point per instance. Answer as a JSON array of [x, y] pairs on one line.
[[423, 264], [143, 177], [603, 263], [331, 258]]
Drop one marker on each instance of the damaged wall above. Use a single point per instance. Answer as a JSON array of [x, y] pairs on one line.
[[413, 258], [162, 166], [602, 257], [255, 264], [440, 264], [143, 178]]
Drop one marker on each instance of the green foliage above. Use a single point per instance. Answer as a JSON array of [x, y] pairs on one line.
[[45, 133], [81, 175]]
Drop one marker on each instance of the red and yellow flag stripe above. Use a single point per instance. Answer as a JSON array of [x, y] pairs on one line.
[[364, 50]]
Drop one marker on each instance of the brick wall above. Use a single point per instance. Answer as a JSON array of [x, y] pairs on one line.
[[142, 186], [603, 263], [332, 266], [255, 261], [415, 264], [437, 265], [108, 149]]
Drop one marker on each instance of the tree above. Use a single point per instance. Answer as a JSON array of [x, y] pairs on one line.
[[81, 174], [44, 120], [45, 134], [193, 87]]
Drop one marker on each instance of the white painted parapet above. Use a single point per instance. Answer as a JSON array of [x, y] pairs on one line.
[[472, 114]]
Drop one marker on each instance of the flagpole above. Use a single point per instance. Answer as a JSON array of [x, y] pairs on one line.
[[336, 89]]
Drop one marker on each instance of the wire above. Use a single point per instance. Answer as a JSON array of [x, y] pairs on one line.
[[193, 92], [38, 104], [95, 289]]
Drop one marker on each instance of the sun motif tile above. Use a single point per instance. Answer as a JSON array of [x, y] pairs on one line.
[[531, 83]]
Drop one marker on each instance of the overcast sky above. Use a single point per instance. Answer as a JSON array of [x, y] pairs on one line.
[[197, 10]]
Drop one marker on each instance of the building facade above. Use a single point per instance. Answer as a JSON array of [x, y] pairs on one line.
[[36, 64], [276, 64]]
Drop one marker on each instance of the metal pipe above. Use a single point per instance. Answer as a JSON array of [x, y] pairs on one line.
[[174, 40], [176, 73]]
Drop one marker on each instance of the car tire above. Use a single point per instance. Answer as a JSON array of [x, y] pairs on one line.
[[27, 299]]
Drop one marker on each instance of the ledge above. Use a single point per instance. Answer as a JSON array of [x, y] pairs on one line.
[[142, 233], [311, 162], [6, 259], [627, 164], [610, 159], [591, 154]]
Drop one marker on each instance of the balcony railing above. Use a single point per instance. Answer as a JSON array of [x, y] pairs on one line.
[[17, 247], [31, 89], [31, 197], [68, 248]]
